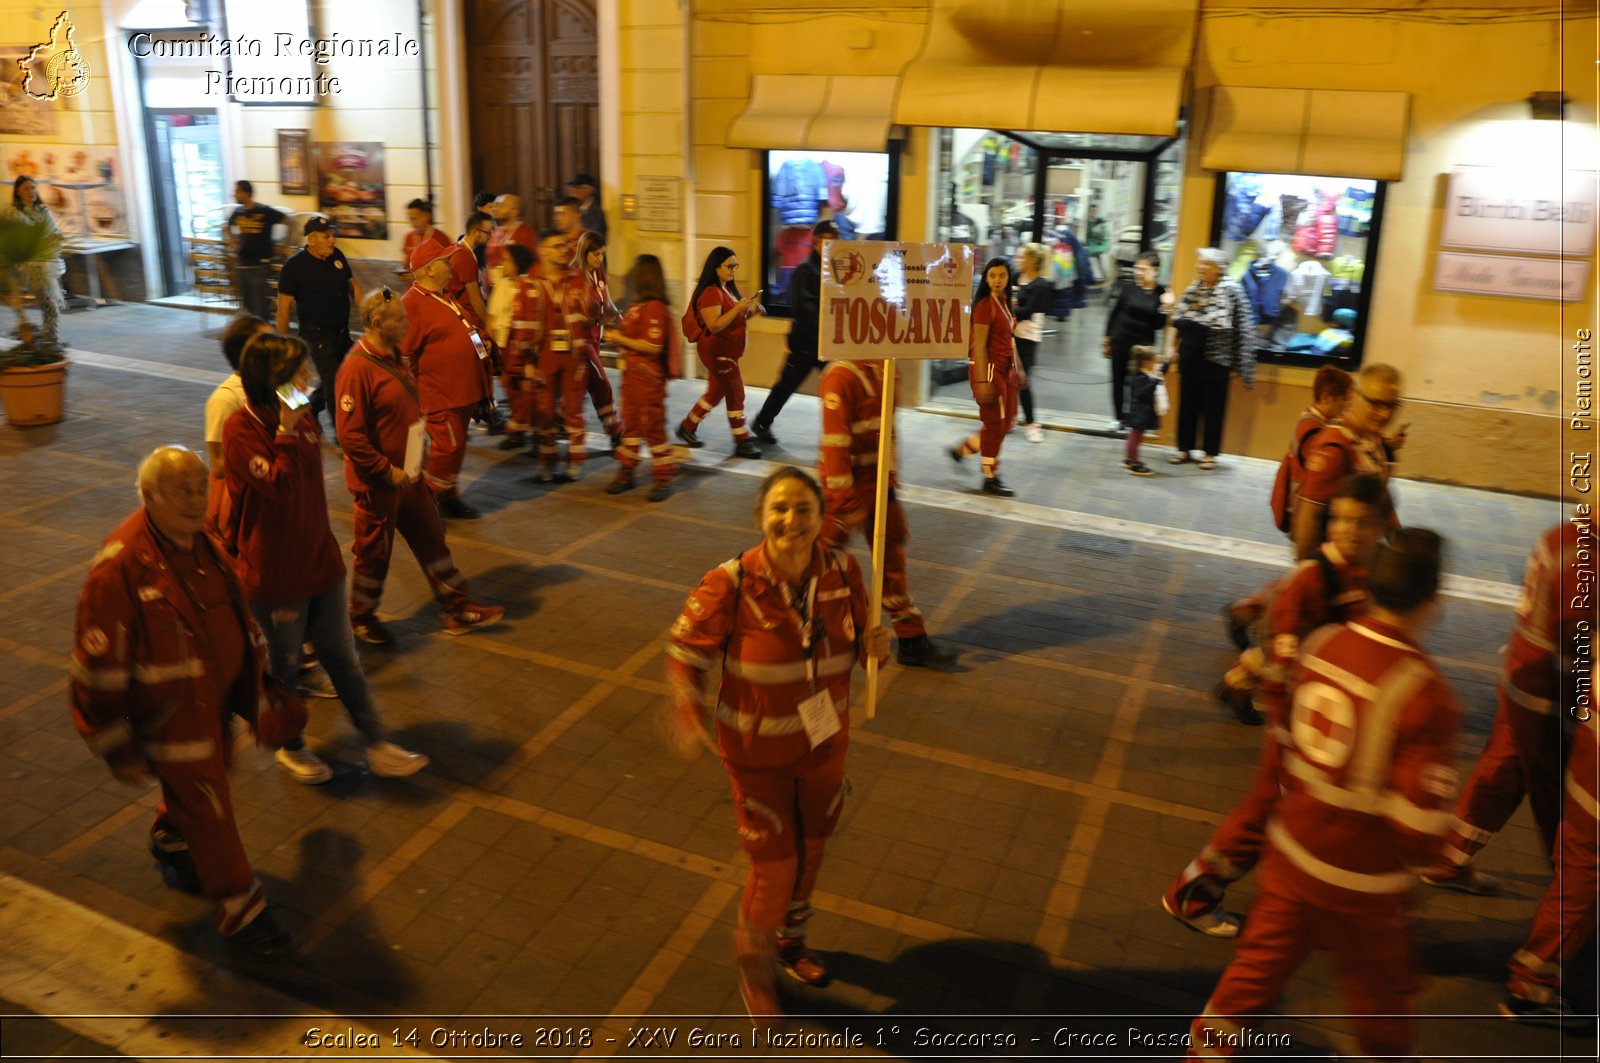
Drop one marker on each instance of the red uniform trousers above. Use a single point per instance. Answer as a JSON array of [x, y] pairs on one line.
[[600, 393], [1371, 952], [785, 817], [997, 416], [1234, 848], [197, 804], [724, 382], [447, 449], [644, 423], [382, 510], [1523, 759], [836, 531], [564, 384], [1565, 920]]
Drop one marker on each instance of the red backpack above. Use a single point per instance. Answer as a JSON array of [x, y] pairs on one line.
[[1284, 486], [694, 326]]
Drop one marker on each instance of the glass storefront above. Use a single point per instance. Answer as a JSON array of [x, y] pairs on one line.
[[854, 189], [1304, 249], [1093, 202]]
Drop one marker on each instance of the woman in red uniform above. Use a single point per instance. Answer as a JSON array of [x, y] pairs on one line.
[[593, 299], [787, 620], [720, 314], [992, 369], [650, 358]]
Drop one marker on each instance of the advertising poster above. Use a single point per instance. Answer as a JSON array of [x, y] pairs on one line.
[[894, 300], [81, 184], [350, 188], [294, 161]]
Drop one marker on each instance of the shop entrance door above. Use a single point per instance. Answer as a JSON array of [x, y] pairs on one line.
[[1093, 202], [191, 198]]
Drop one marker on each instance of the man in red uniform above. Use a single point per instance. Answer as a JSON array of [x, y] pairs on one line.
[[1366, 775], [509, 229], [379, 420], [1354, 445], [1527, 744], [1565, 920], [847, 465], [1330, 394], [449, 357], [165, 655], [1328, 589], [420, 213], [463, 284], [549, 367]]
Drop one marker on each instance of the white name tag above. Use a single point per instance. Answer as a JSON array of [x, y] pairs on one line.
[[819, 717]]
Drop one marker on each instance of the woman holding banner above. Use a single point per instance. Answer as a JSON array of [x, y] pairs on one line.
[[782, 714], [992, 369]]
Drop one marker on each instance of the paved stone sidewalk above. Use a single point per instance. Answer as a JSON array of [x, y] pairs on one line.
[[1010, 827]]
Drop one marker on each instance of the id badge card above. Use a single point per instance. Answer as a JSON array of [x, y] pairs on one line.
[[560, 340], [478, 344], [819, 717]]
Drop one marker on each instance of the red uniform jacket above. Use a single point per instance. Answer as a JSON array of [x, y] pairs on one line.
[[438, 348], [376, 411], [536, 317], [1335, 452], [140, 690], [463, 271], [1367, 772], [414, 239], [591, 298], [729, 343], [1304, 601], [1002, 343], [521, 233], [740, 615], [847, 454], [1548, 616], [646, 375], [287, 552]]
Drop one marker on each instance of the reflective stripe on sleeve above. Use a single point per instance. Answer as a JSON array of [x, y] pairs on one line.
[[834, 439], [112, 736], [683, 655], [1388, 804], [838, 482], [105, 679], [1523, 699], [192, 668], [192, 750]]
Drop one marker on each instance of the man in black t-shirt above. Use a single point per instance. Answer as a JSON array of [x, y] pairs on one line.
[[805, 303], [318, 284], [251, 226]]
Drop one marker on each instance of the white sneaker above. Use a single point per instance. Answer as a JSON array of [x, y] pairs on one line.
[[303, 766], [392, 762], [1034, 432], [1115, 426], [1215, 923]]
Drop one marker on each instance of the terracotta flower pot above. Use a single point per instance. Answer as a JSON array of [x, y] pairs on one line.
[[34, 395]]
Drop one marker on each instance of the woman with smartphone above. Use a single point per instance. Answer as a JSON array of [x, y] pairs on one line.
[[288, 561], [719, 316]]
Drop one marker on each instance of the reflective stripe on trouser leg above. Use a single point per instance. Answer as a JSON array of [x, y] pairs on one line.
[[418, 522], [708, 401], [199, 806], [727, 370], [1564, 922], [374, 521], [897, 601]]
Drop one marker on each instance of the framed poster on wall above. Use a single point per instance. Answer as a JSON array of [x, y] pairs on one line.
[[350, 188], [294, 161]]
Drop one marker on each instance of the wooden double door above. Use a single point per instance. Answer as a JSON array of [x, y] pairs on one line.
[[533, 72]]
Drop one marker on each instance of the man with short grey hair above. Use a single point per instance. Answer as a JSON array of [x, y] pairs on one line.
[[165, 654]]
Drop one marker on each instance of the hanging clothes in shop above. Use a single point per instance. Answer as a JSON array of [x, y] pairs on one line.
[[1264, 282], [1072, 273], [1306, 287]]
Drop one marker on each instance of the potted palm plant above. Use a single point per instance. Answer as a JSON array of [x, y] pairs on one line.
[[33, 372]]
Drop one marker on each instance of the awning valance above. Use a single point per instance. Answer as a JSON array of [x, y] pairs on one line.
[[1091, 66], [821, 112], [1331, 132]]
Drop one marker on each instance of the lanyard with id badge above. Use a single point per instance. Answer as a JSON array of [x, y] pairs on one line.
[[477, 341], [817, 713]]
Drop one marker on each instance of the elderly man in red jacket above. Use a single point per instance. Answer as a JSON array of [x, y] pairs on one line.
[[379, 421], [164, 656], [449, 355]]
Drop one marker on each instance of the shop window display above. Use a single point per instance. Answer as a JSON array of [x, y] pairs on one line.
[[1303, 247], [853, 188]]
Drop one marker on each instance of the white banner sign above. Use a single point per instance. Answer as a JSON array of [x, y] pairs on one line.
[[1525, 278], [894, 300], [1540, 212]]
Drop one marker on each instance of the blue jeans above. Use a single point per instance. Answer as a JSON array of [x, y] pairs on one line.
[[325, 621]]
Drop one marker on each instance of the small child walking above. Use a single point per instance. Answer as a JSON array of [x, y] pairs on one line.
[[1147, 403]]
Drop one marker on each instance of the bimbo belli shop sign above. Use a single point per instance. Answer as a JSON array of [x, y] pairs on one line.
[[1521, 211], [894, 300]]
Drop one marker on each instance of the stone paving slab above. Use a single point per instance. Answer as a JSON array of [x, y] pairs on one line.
[[1009, 829]]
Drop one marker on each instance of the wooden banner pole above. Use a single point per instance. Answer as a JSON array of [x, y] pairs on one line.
[[880, 522]]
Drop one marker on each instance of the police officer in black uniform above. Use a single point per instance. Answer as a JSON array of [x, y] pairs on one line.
[[319, 286]]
